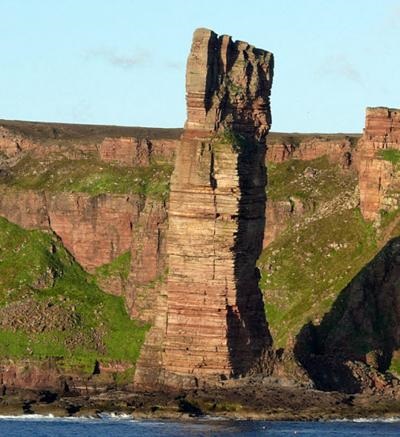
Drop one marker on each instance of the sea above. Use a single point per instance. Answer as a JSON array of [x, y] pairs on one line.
[[117, 426]]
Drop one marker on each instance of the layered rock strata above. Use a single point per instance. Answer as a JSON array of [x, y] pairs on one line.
[[138, 147], [94, 229], [210, 320], [337, 150], [381, 133], [148, 261]]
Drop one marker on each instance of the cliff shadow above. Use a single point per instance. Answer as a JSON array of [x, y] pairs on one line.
[[248, 335], [357, 337]]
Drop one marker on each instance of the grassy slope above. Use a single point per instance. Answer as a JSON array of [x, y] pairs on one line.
[[314, 181], [306, 268], [89, 176], [118, 267], [35, 265], [313, 260]]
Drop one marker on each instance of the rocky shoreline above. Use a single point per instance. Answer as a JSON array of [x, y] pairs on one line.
[[245, 402]]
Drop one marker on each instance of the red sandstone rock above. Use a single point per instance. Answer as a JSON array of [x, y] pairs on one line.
[[30, 375], [12, 144], [278, 215], [382, 131], [126, 151], [95, 229], [132, 151], [123, 150], [210, 316], [27, 208], [148, 261], [337, 151]]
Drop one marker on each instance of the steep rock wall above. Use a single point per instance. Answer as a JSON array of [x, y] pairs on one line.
[[148, 261], [19, 138], [132, 151], [94, 229], [210, 317], [337, 150], [376, 174]]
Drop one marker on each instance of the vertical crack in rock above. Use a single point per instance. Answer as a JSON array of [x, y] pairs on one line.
[[213, 184], [210, 322]]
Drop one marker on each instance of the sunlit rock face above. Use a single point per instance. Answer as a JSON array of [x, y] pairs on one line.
[[210, 320], [376, 174]]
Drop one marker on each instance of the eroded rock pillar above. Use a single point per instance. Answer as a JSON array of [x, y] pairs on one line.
[[211, 321]]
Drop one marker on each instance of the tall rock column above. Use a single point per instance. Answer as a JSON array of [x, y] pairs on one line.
[[211, 322]]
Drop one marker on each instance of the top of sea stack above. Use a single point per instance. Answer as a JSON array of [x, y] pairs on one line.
[[227, 86], [210, 321]]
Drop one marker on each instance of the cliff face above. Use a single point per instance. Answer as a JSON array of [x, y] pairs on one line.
[[94, 229], [210, 321], [148, 261], [135, 151], [338, 150], [374, 161]]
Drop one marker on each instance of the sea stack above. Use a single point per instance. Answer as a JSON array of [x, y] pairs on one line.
[[210, 322]]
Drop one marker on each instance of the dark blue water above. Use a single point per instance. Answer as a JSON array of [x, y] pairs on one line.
[[116, 427]]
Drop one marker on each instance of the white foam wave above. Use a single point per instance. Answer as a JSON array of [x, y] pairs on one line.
[[51, 417], [393, 419], [378, 419]]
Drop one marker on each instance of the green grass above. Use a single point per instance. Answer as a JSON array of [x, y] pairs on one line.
[[391, 155], [295, 138], [314, 181], [119, 267], [387, 217], [104, 332], [90, 176], [303, 271], [395, 364]]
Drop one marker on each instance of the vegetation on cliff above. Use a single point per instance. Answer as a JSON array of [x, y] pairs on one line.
[[89, 176], [306, 269], [309, 181], [391, 155], [322, 249], [118, 267], [81, 324]]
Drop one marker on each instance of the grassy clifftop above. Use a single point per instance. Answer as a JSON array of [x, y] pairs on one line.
[[89, 176]]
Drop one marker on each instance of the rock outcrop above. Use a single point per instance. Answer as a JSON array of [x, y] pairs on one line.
[[131, 151], [337, 150], [120, 145], [210, 320], [95, 229], [279, 214], [381, 133], [148, 261], [12, 144]]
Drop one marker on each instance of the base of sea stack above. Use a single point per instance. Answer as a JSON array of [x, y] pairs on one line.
[[246, 398]]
